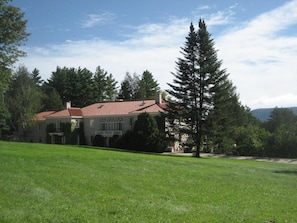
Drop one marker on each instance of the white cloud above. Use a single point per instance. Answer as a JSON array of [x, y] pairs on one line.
[[284, 100], [261, 62], [92, 20], [153, 47], [221, 17], [260, 59]]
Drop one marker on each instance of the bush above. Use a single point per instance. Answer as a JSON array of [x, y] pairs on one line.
[[99, 141], [145, 136]]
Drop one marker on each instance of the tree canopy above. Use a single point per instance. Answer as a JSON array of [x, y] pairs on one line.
[[12, 34]]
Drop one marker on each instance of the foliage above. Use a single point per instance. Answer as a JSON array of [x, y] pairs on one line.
[[282, 124], [279, 117], [99, 141], [139, 87], [51, 99], [104, 86], [148, 87], [145, 135], [12, 34], [72, 135], [250, 140], [129, 87], [200, 87], [58, 183], [283, 142], [23, 99], [4, 120], [81, 86], [72, 85]]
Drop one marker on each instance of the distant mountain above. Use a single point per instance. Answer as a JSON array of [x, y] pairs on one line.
[[264, 113]]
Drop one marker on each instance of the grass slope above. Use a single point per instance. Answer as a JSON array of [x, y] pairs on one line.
[[51, 183]]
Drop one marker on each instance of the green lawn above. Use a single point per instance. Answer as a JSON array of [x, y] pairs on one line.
[[51, 183]]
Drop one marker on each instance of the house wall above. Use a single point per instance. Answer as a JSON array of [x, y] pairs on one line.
[[107, 125], [36, 133]]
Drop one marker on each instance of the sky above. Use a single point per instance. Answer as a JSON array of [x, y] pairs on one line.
[[256, 40]]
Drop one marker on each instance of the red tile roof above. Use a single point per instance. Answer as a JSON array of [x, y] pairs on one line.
[[75, 111], [106, 108], [121, 108], [70, 112], [42, 115]]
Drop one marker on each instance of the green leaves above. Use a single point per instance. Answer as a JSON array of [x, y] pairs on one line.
[[12, 34], [81, 86]]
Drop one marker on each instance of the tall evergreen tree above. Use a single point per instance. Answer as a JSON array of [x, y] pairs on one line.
[[199, 80], [35, 76], [58, 81], [148, 87], [99, 84], [111, 88], [73, 85], [104, 85]]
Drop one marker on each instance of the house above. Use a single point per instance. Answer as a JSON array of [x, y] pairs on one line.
[[82, 125]]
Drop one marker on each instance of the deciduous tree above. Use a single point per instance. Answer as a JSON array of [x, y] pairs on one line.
[[130, 87], [24, 99], [12, 34]]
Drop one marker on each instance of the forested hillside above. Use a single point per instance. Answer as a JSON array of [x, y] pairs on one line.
[[264, 113]]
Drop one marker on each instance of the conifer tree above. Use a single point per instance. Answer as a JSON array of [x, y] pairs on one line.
[[199, 83], [148, 86]]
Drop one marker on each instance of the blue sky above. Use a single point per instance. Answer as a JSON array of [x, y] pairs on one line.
[[257, 40]]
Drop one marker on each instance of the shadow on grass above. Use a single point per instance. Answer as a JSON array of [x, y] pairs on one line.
[[119, 150], [291, 172]]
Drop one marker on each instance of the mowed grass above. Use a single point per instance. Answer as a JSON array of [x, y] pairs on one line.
[[52, 183]]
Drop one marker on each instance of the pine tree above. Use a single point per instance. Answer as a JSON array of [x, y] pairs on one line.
[[197, 88], [35, 76], [111, 88], [104, 85], [148, 87]]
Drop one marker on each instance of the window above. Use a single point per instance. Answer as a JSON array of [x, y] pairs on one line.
[[109, 126]]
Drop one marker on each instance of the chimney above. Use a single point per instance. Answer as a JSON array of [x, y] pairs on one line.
[[159, 98], [68, 104]]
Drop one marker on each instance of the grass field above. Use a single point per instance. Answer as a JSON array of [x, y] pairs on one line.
[[51, 183]]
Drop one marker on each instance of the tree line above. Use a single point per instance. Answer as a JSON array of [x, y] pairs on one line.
[[203, 104], [27, 94], [206, 107]]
